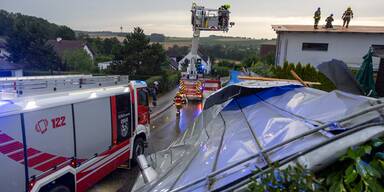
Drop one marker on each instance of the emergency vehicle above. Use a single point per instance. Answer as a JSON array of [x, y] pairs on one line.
[[65, 133], [198, 89], [192, 83]]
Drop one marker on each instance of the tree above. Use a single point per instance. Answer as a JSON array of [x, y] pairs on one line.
[[65, 33], [250, 60], [137, 56], [79, 61], [27, 43], [178, 51], [153, 58], [5, 23], [109, 45], [106, 47], [155, 37]]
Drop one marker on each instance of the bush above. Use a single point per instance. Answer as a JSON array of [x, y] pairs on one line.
[[45, 73], [220, 71], [168, 81], [103, 58], [152, 79], [262, 69], [307, 73], [289, 179], [226, 63], [360, 169], [78, 60]]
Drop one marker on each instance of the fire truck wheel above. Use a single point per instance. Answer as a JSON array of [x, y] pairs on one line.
[[60, 188], [138, 148]]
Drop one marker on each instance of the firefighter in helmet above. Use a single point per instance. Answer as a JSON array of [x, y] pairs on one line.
[[329, 21], [224, 16], [347, 16], [178, 103], [226, 6], [317, 18]]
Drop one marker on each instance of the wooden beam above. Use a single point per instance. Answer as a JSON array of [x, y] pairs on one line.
[[297, 77], [275, 79]]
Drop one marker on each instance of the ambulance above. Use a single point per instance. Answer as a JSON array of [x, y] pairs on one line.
[[65, 133]]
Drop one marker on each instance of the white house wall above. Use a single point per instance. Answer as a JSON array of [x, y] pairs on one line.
[[348, 47], [89, 52]]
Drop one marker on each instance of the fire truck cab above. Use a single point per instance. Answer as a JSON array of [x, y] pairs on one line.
[[67, 132]]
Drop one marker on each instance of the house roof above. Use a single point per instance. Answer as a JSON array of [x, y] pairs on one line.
[[336, 29], [201, 53], [6, 65], [173, 64], [66, 45]]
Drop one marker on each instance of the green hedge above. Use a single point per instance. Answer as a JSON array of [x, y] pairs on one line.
[[168, 81], [220, 71], [306, 72]]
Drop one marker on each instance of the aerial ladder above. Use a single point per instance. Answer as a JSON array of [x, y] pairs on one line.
[[203, 19]]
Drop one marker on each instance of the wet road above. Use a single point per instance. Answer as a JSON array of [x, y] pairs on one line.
[[165, 128]]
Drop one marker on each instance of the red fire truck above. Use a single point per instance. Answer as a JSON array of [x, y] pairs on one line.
[[197, 89], [66, 133]]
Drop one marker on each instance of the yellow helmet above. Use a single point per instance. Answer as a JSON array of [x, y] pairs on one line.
[[227, 6], [349, 7]]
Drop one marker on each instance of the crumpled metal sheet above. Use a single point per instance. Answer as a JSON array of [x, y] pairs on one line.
[[259, 116], [339, 73]]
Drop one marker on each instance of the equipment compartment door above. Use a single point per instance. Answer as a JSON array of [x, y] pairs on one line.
[[93, 127], [12, 174], [124, 117], [49, 134], [143, 106]]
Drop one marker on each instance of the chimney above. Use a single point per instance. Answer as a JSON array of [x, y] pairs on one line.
[[59, 39]]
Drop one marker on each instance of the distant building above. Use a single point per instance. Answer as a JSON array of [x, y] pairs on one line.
[[301, 43], [205, 61], [104, 65], [8, 69], [61, 46]]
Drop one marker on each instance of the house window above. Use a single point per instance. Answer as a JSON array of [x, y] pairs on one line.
[[315, 47], [378, 47]]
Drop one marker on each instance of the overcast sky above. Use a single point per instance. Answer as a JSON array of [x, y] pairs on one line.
[[253, 18]]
